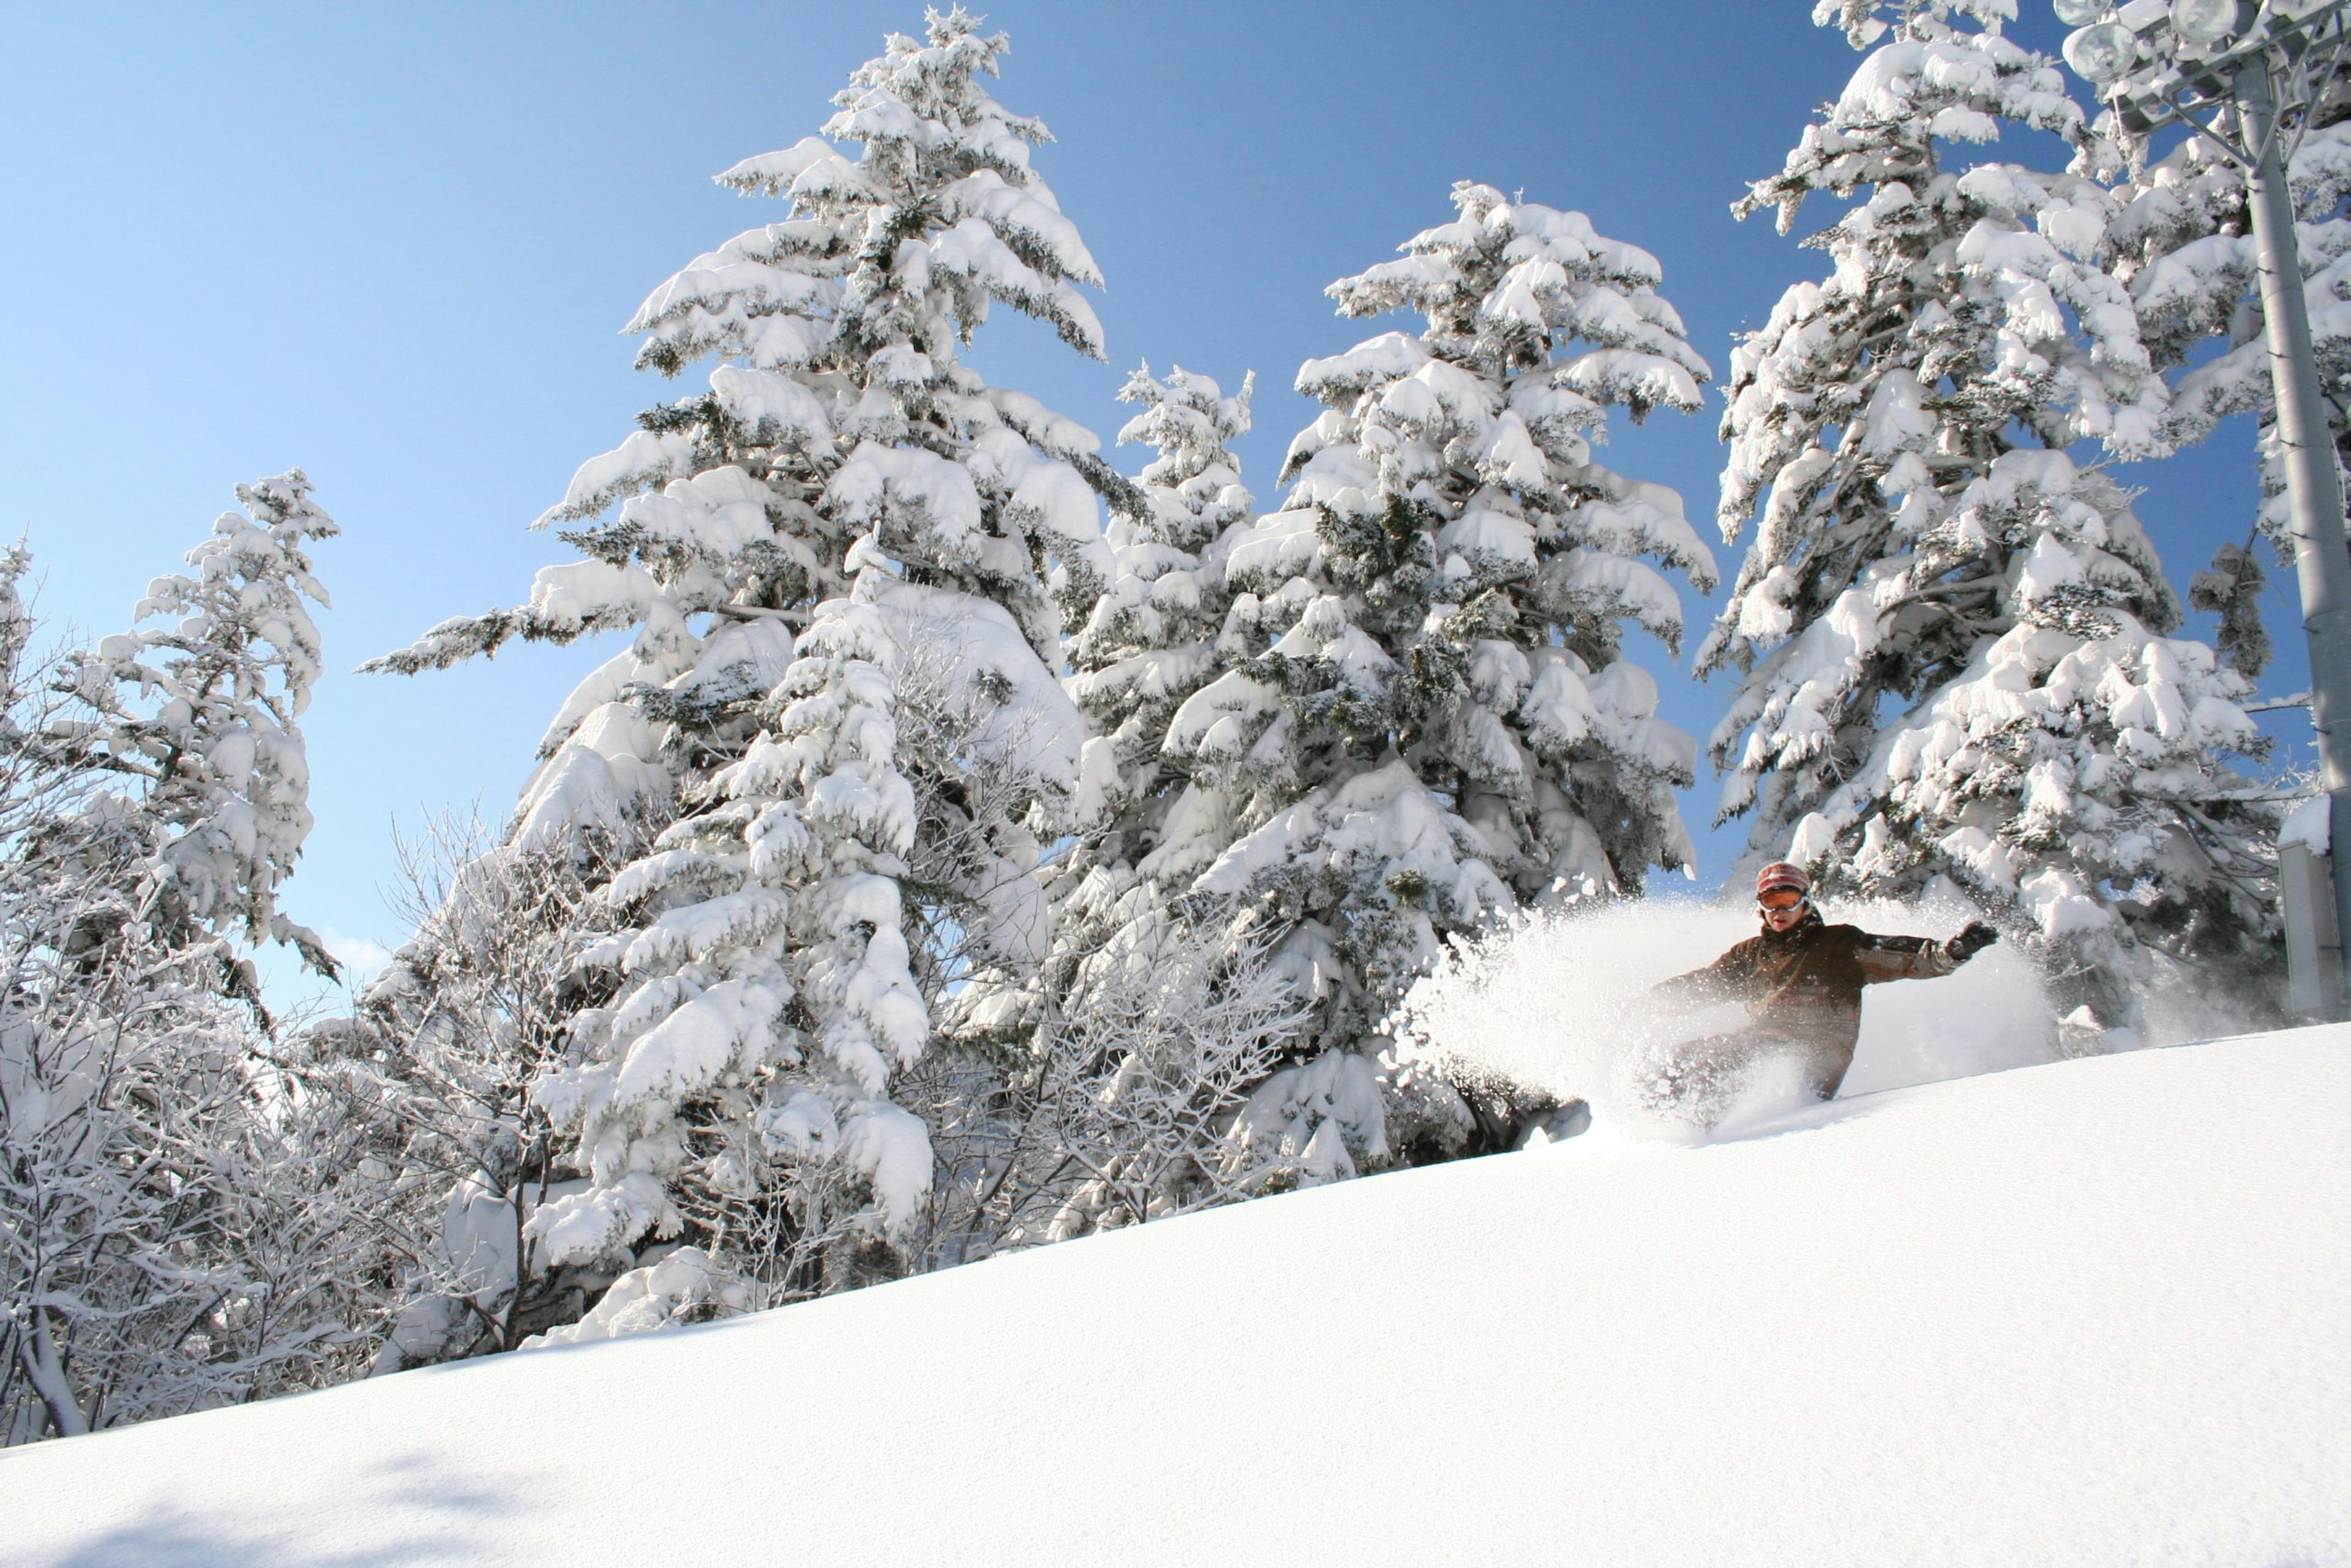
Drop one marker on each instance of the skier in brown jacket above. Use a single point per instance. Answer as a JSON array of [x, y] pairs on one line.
[[1802, 978]]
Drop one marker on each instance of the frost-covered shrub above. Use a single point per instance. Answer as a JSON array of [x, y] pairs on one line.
[[682, 1286], [428, 1084], [1134, 1100]]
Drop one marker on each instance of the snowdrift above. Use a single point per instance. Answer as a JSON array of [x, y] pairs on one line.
[[2088, 1312]]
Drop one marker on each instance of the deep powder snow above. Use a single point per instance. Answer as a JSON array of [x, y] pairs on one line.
[[2086, 1312]]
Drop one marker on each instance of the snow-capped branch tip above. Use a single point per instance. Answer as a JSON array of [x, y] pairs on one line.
[[1863, 25]]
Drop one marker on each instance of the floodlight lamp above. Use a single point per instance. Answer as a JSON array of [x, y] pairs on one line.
[[2078, 13], [2203, 23], [2101, 53]]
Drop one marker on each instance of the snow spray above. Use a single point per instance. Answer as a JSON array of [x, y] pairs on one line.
[[1557, 999]]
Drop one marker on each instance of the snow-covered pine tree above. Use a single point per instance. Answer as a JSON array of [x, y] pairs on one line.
[[855, 811], [1131, 1099], [1928, 543], [1427, 718], [1870, 397], [202, 712], [2074, 775], [1154, 637]]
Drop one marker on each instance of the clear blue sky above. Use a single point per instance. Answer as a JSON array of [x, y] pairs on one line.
[[394, 246]]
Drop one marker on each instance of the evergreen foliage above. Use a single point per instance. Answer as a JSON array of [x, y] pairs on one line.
[[848, 565], [1426, 716], [1928, 548], [199, 718], [1155, 636]]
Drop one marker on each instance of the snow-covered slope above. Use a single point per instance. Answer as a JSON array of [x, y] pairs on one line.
[[2092, 1312]]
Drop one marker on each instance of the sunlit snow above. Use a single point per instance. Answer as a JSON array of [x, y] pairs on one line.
[[2086, 1312]]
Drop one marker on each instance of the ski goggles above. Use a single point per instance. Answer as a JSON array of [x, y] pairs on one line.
[[1783, 898]]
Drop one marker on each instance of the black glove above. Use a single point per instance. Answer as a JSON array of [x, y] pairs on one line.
[[1972, 939]]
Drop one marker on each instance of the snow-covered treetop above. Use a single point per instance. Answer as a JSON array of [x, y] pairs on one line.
[[840, 408], [1924, 78], [1145, 643], [944, 169], [1500, 286], [1866, 21], [204, 710], [1962, 303], [1152, 639], [1421, 714], [1195, 482], [1536, 325]]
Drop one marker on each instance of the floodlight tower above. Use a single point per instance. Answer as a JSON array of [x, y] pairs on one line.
[[2186, 62]]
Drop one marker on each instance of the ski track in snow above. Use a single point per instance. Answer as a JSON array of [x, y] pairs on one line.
[[2088, 1312]]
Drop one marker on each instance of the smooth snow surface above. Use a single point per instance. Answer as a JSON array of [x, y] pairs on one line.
[[2087, 1312]]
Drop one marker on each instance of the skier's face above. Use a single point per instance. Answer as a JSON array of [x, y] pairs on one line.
[[1786, 919]]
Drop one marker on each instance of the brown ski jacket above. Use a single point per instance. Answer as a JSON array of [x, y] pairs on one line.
[[1804, 984]]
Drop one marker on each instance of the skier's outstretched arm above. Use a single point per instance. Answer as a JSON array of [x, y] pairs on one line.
[[1921, 957], [1724, 980]]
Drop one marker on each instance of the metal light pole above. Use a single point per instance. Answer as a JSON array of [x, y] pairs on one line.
[[2162, 64], [2313, 484]]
